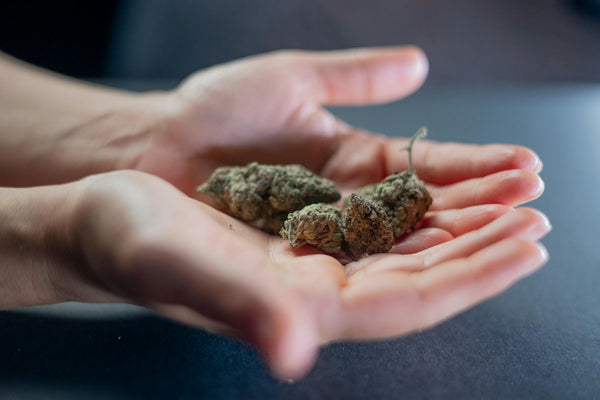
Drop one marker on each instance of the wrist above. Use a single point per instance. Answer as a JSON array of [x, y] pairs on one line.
[[116, 138], [34, 244], [110, 139], [43, 233]]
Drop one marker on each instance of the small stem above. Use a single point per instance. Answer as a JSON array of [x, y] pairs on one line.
[[420, 133]]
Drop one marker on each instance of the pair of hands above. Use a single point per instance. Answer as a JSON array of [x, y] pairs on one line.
[[136, 238]]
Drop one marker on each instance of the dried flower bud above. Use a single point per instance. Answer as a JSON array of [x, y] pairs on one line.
[[290, 199], [316, 224], [268, 192], [404, 198], [366, 227]]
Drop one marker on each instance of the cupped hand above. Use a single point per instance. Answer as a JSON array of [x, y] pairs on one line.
[[269, 109], [136, 238]]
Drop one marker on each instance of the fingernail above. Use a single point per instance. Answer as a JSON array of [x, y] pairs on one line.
[[539, 166], [539, 189], [534, 163], [545, 221], [544, 255], [537, 223], [420, 67], [541, 258]]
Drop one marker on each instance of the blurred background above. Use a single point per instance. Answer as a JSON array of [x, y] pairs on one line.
[[467, 41], [537, 341]]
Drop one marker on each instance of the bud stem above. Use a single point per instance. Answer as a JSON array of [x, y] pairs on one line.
[[420, 133]]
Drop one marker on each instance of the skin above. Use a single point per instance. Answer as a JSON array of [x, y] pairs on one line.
[[100, 232]]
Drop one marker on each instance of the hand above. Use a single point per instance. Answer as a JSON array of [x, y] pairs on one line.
[[135, 238], [268, 109], [265, 108]]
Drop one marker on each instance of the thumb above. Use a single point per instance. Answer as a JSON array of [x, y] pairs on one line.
[[229, 281], [365, 75]]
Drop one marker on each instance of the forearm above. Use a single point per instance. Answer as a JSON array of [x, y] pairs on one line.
[[54, 129]]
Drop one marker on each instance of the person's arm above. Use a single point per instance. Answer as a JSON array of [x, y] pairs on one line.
[[54, 129]]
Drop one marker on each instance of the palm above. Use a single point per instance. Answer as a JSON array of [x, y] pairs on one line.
[[198, 265], [411, 287]]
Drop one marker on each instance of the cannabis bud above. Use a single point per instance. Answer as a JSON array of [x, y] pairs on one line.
[[366, 227], [404, 198], [316, 224], [293, 201], [376, 214], [267, 193]]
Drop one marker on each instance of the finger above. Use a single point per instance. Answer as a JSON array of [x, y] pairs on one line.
[[445, 163], [398, 302], [363, 76], [460, 221], [525, 223], [419, 240], [220, 276], [510, 188], [436, 228]]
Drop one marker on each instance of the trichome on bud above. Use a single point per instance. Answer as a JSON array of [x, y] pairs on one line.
[[267, 193]]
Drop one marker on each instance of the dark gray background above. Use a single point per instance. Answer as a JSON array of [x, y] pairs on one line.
[[539, 340], [468, 41]]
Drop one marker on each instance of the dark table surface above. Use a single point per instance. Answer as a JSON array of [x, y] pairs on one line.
[[540, 339]]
